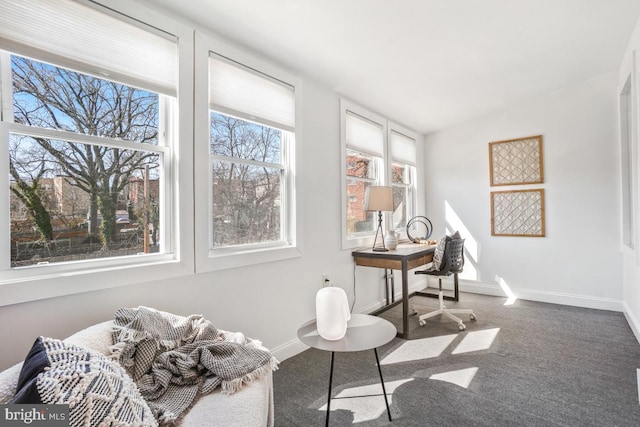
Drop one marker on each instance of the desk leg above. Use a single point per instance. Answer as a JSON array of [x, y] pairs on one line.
[[405, 300], [386, 285], [384, 391], [326, 422]]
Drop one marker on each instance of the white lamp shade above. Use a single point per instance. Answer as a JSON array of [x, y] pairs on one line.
[[332, 313], [378, 198]]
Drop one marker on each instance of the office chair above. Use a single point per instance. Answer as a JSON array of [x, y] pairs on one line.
[[452, 262]]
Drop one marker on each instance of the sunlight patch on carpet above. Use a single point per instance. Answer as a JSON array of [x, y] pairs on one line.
[[476, 340], [365, 402], [461, 377], [423, 348]]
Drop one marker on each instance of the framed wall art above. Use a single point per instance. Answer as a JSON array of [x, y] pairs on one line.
[[517, 213], [516, 161]]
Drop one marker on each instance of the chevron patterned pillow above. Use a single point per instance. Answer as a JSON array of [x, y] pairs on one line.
[[98, 390], [438, 254]]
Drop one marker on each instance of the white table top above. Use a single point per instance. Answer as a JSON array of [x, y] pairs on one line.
[[364, 332]]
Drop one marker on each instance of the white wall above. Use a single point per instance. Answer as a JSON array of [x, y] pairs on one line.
[[631, 258], [266, 301], [579, 261]]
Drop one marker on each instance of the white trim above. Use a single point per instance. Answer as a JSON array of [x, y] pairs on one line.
[[5, 208], [50, 281], [6, 89], [574, 300], [288, 349], [213, 260], [634, 324], [634, 139], [345, 105], [56, 285], [81, 138]]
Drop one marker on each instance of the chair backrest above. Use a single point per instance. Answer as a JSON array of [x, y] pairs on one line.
[[453, 259]]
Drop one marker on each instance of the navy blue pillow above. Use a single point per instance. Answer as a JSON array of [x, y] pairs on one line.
[[34, 364]]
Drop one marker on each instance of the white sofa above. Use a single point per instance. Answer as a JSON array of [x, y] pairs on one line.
[[251, 406]]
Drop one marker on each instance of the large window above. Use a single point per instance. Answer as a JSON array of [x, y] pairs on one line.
[[245, 159], [86, 125], [376, 152], [249, 172], [252, 120], [74, 197]]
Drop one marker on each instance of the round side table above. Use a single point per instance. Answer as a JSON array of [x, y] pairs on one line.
[[364, 332]]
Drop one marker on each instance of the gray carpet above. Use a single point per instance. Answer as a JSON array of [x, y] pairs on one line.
[[527, 364]]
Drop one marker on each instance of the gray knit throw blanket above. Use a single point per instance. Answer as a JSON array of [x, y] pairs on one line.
[[174, 360]]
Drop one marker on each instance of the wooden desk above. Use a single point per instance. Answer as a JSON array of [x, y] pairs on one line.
[[405, 257]]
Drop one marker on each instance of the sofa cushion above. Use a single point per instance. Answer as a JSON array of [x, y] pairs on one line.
[[9, 382], [97, 389], [97, 337]]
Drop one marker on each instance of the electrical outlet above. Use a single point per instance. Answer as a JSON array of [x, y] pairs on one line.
[[325, 280]]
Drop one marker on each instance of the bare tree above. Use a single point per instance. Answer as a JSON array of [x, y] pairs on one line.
[[51, 97], [246, 197], [27, 167]]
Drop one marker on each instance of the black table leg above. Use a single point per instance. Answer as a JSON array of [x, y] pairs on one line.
[[326, 423], [384, 392]]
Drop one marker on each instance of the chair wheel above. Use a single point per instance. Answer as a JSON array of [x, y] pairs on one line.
[[472, 316], [422, 322], [461, 327]]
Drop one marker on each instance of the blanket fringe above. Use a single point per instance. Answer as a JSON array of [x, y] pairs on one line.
[[233, 386]]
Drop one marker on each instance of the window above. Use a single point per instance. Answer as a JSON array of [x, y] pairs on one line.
[[373, 156], [364, 169], [403, 178], [82, 150], [87, 125], [245, 178], [249, 169]]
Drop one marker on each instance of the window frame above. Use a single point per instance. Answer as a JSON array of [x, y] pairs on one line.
[[58, 279], [355, 240], [206, 258], [413, 172]]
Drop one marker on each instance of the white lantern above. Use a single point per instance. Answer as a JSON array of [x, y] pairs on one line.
[[332, 313]]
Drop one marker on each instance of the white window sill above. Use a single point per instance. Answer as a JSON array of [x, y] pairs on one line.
[[223, 260], [49, 281]]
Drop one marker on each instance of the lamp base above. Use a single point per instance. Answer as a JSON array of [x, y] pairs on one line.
[[379, 230]]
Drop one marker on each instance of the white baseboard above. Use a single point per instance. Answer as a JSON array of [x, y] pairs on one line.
[[288, 349], [633, 322], [544, 296]]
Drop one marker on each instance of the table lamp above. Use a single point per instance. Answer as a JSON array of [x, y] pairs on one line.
[[332, 313], [378, 198]]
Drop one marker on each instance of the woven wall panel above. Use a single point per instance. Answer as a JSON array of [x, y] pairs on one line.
[[517, 213], [516, 161]]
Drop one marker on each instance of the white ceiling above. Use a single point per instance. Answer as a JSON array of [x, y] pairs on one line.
[[428, 64]]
